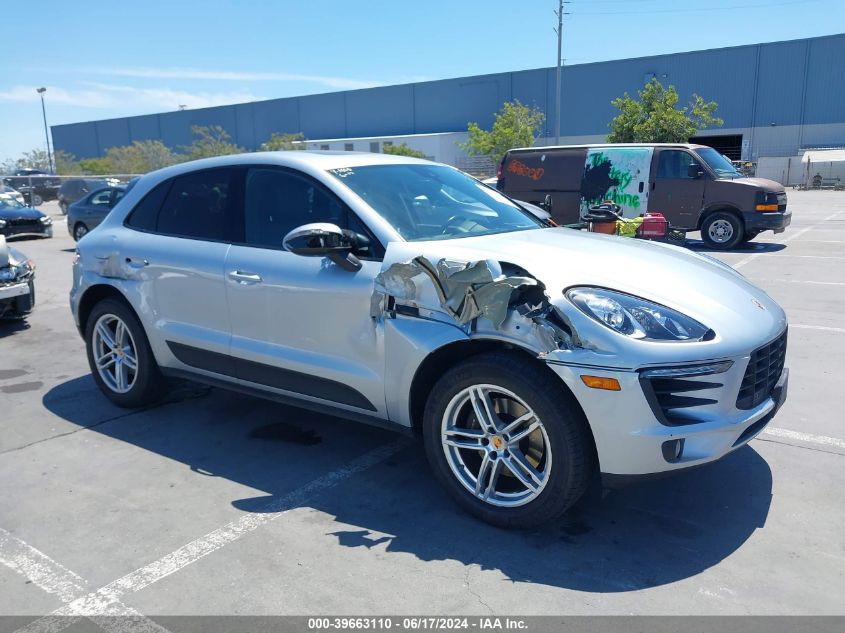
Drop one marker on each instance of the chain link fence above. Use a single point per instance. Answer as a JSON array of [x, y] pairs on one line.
[[36, 189]]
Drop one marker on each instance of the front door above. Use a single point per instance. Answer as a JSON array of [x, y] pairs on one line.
[[302, 325], [675, 192]]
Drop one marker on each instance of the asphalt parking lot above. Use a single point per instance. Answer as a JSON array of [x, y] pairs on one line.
[[219, 503]]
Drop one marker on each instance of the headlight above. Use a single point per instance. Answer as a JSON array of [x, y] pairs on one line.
[[45, 220], [636, 317], [2, 224]]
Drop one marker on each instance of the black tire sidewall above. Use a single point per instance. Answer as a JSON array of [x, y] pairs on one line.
[[149, 381], [76, 236], [736, 223], [563, 422]]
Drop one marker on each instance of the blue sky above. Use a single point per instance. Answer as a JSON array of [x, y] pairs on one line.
[[110, 59]]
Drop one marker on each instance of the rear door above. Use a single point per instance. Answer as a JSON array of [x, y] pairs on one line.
[[177, 253], [674, 192], [619, 174], [531, 175], [302, 325]]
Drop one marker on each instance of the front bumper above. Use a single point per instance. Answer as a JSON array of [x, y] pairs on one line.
[[27, 230], [632, 441], [776, 221], [17, 298]]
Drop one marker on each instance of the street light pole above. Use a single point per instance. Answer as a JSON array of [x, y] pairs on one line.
[[559, 31], [41, 92]]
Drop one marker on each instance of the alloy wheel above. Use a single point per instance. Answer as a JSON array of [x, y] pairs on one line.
[[115, 353], [496, 445]]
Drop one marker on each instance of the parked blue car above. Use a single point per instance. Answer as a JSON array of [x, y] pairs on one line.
[[84, 215]]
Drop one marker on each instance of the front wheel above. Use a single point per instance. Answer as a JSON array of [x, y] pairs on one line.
[[507, 440], [63, 207], [722, 230], [120, 357]]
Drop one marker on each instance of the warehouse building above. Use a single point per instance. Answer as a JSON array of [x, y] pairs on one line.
[[776, 99]]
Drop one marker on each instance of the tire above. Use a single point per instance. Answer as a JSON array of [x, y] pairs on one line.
[[722, 230], [63, 207], [141, 387], [79, 231], [750, 235], [560, 449]]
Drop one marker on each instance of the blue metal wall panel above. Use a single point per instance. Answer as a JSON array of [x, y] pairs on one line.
[[825, 93], [380, 111], [753, 85], [144, 128], [78, 139], [275, 115], [323, 116], [780, 84], [112, 133]]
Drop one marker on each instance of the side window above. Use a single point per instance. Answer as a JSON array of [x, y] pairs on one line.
[[674, 164], [117, 194], [197, 206], [143, 216], [101, 198], [277, 202]]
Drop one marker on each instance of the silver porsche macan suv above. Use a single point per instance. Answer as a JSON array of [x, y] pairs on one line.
[[403, 292]]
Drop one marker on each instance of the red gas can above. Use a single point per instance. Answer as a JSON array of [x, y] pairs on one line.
[[654, 226]]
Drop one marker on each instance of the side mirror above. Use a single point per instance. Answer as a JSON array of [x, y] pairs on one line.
[[322, 239], [547, 203], [694, 170]]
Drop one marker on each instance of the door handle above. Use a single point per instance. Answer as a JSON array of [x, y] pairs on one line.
[[245, 278], [137, 262]]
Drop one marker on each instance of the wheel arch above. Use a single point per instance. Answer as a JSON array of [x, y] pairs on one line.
[[715, 208], [450, 354], [93, 296]]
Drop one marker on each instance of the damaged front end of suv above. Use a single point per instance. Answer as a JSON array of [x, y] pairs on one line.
[[17, 282]]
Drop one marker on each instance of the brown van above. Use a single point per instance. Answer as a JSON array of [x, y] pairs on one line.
[[694, 186]]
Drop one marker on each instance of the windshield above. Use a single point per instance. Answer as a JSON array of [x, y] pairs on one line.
[[432, 202], [8, 202], [718, 163]]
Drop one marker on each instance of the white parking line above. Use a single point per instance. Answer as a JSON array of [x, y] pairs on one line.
[[823, 328], [45, 573], [805, 437], [794, 236], [101, 601]]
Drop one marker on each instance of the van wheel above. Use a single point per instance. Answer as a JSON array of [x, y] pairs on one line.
[[507, 440], [120, 357], [722, 230]]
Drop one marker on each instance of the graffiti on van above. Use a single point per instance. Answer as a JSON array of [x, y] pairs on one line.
[[521, 169], [616, 173]]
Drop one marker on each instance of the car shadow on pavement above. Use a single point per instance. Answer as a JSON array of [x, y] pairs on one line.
[[645, 535], [9, 327], [745, 249]]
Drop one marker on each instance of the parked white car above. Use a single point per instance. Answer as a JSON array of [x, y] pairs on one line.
[[402, 292]]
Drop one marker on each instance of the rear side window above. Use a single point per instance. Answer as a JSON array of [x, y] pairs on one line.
[[197, 206], [145, 213]]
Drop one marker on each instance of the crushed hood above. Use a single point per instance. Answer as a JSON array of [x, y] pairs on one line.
[[560, 258]]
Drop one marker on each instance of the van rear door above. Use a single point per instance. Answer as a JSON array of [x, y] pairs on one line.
[[530, 175], [620, 174], [675, 192]]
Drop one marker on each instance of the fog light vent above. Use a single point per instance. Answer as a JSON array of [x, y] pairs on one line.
[[673, 450]]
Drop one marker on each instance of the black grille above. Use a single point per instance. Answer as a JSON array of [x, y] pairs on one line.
[[24, 223], [669, 397], [764, 369]]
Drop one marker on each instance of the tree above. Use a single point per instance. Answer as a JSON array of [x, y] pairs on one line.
[[402, 150], [516, 125], [96, 166], [66, 163], [283, 142], [654, 118], [33, 159], [141, 157], [212, 140]]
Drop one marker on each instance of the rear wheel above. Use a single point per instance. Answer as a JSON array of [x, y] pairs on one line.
[[722, 230], [63, 207], [507, 441], [120, 357], [79, 231]]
